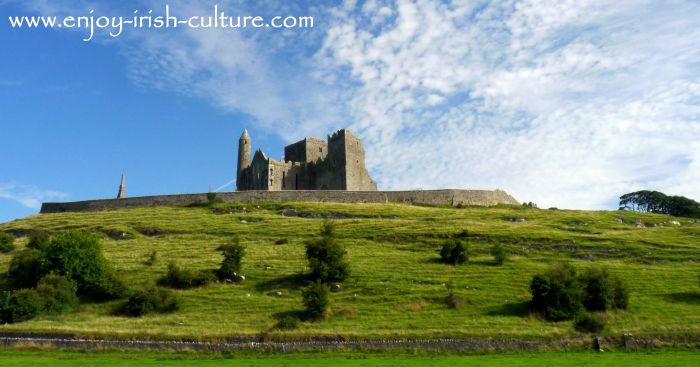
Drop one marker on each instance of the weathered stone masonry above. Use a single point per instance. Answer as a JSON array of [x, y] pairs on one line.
[[426, 197], [309, 164]]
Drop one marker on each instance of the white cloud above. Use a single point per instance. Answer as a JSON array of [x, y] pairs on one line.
[[27, 195], [565, 103]]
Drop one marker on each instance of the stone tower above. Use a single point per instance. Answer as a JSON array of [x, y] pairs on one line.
[[122, 190], [309, 164], [244, 147]]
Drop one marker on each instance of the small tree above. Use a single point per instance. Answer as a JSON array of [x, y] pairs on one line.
[[26, 268], [24, 304], [589, 323], [7, 242], [316, 299], [326, 256], [454, 252], [603, 291], [499, 253], [181, 278], [39, 240], [558, 294], [150, 300], [233, 255], [58, 293]]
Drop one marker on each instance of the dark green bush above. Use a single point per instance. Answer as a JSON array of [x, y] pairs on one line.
[[77, 255], [150, 300], [326, 256], [26, 268], [39, 240], [316, 300], [620, 294], [288, 323], [58, 293], [558, 294], [233, 255], [108, 287], [5, 312], [589, 323], [24, 304], [454, 252], [181, 278], [603, 291], [7, 242], [499, 253]]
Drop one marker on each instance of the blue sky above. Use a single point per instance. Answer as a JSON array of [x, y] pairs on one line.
[[564, 103]]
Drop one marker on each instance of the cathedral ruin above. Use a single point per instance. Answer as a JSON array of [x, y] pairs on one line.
[[309, 164]]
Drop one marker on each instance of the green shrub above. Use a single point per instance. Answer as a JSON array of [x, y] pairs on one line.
[[26, 268], [233, 255], [150, 300], [620, 294], [5, 313], [24, 304], [108, 287], [499, 253], [589, 323], [74, 254], [557, 294], [58, 293], [7, 242], [39, 239], [77, 255], [454, 252], [316, 300], [603, 291], [181, 278], [326, 256], [560, 294], [288, 323]]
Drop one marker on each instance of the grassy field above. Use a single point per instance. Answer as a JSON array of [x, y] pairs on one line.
[[17, 358], [397, 284]]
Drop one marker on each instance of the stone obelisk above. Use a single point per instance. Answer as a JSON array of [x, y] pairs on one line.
[[122, 190]]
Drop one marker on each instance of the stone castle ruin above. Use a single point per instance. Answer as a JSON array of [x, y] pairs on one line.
[[309, 164], [313, 170]]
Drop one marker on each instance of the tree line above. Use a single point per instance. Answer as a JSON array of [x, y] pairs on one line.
[[658, 202]]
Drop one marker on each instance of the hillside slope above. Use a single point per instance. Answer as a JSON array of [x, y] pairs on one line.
[[397, 284]]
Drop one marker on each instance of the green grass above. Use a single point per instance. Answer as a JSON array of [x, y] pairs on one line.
[[17, 358], [397, 283]]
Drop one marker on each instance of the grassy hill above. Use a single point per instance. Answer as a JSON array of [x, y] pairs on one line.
[[397, 282]]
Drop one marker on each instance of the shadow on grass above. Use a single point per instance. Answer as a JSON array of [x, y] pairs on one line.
[[294, 281], [520, 309], [692, 298]]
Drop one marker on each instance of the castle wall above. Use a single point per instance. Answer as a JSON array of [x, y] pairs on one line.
[[356, 175], [426, 197], [307, 150]]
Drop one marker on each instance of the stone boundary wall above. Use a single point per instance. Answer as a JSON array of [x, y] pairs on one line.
[[562, 343], [424, 197]]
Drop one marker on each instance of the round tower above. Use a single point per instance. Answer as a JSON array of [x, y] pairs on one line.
[[243, 159]]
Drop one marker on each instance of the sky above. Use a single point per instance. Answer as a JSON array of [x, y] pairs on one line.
[[563, 103]]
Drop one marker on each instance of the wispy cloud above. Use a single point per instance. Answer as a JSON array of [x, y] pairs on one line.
[[566, 103], [28, 195]]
